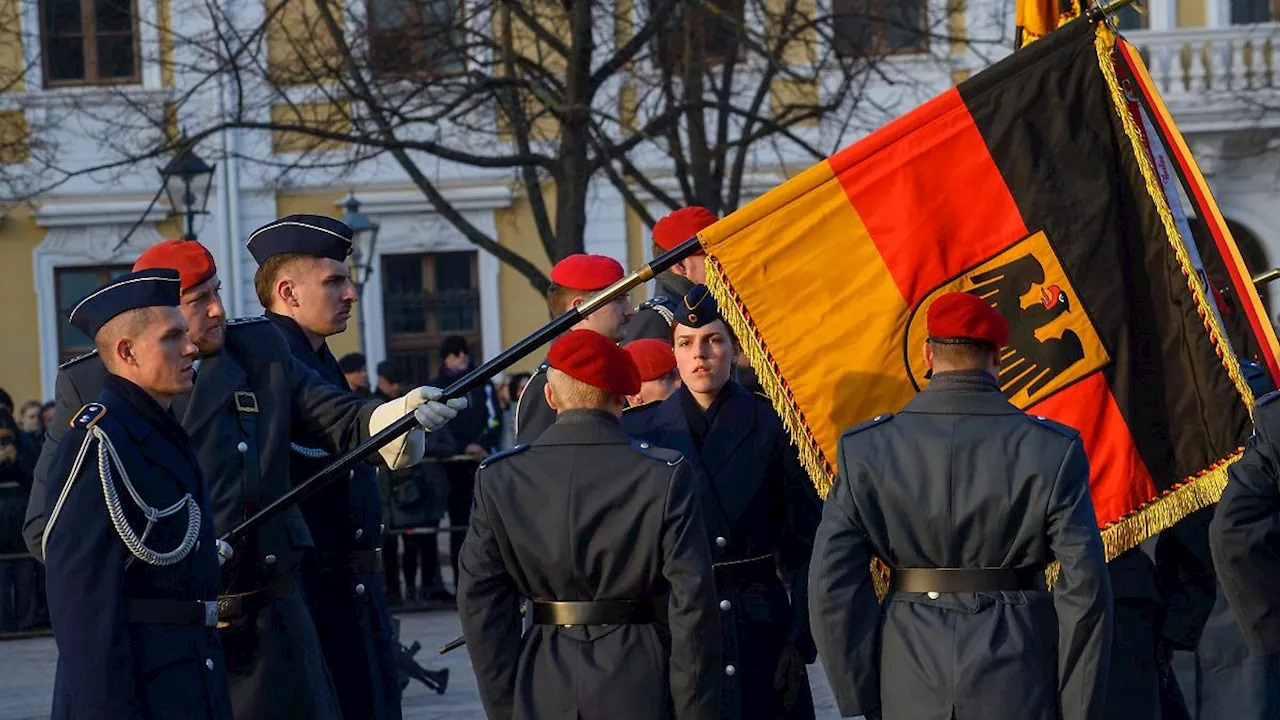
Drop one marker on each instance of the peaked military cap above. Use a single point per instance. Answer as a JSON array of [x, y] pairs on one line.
[[699, 308], [305, 234], [155, 287]]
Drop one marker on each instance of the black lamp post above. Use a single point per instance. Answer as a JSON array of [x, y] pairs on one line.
[[364, 238], [187, 181]]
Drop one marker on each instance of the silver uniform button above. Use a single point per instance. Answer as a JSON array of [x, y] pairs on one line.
[[351, 474], [721, 542], [209, 663], [242, 446], [360, 589], [270, 559], [644, 446], [932, 595], [730, 670], [725, 605], [359, 533]]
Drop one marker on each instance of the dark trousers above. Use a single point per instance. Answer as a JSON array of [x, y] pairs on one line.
[[420, 552], [19, 599], [391, 564], [462, 485]]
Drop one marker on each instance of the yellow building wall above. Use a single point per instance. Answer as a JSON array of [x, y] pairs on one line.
[[12, 66], [1192, 13], [20, 353], [522, 308], [323, 203]]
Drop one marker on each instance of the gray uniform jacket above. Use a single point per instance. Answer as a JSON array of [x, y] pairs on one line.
[[654, 317], [246, 400], [533, 414], [615, 519], [962, 479]]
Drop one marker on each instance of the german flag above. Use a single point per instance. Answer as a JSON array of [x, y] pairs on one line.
[[1033, 19], [1027, 185]]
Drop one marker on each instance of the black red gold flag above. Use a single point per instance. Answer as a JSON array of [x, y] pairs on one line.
[[1031, 185], [1033, 19]]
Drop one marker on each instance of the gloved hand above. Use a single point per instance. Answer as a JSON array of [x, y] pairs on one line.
[[790, 676], [431, 414], [225, 553]]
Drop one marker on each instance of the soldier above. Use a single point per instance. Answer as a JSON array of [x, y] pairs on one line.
[[656, 315], [304, 284], [249, 393], [131, 558], [573, 280], [968, 500], [617, 527], [659, 376], [758, 504]]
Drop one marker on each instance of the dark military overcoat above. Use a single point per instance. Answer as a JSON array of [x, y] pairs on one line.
[[111, 664], [585, 514], [761, 511], [962, 479]]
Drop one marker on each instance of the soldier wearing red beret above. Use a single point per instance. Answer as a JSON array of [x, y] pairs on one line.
[[573, 280], [603, 535], [654, 316], [659, 376], [968, 500]]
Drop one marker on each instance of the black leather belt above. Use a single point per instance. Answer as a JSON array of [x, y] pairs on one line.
[[194, 613], [966, 580], [604, 612], [237, 606], [325, 561], [761, 569]]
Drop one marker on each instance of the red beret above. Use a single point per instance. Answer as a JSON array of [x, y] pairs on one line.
[[191, 259], [681, 225], [964, 316], [653, 357], [587, 272], [589, 357]]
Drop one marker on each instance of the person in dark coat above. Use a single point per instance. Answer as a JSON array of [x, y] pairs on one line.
[[574, 280], [19, 599], [129, 547], [617, 527], [303, 282], [249, 394], [655, 316], [968, 500], [760, 508]]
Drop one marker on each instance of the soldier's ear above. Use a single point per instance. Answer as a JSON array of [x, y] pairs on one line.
[[285, 291], [928, 354], [550, 396], [124, 352]]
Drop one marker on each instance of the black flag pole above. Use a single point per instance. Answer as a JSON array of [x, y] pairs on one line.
[[341, 464]]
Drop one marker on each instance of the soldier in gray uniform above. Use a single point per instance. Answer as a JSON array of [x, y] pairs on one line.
[[249, 393], [573, 280], [967, 499], [618, 526], [655, 316]]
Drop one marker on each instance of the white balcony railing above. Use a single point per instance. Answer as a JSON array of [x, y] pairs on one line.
[[1200, 65]]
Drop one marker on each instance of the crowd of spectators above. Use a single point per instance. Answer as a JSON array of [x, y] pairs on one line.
[[22, 606]]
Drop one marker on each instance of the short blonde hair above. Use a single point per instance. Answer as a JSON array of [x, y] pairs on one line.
[[572, 394]]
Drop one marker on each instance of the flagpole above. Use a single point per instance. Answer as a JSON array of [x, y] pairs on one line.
[[1098, 13]]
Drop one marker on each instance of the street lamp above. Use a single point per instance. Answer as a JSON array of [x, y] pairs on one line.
[[364, 238], [187, 180]]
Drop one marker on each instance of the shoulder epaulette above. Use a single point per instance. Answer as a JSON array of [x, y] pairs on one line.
[[658, 304], [648, 449], [762, 396], [502, 455], [1064, 430], [632, 408], [248, 320], [1265, 399], [88, 416], [877, 420], [542, 367], [78, 358]]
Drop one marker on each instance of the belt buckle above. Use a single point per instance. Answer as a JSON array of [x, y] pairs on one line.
[[246, 402], [210, 613]]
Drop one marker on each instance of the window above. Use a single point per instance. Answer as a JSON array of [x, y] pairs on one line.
[[73, 284], [413, 37], [89, 42], [707, 27], [426, 298], [1244, 12], [871, 28]]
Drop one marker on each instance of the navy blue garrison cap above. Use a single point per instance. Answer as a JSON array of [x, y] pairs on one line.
[[699, 308], [156, 287], [306, 234]]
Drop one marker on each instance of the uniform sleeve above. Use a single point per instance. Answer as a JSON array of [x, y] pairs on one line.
[[691, 607], [1082, 594], [646, 323], [327, 410], [801, 510], [488, 607], [533, 414], [1184, 571], [843, 603], [84, 578], [67, 402], [1245, 538]]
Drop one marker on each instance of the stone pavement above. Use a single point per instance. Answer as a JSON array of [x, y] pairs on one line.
[[26, 675]]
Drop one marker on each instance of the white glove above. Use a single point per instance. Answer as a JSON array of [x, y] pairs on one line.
[[431, 414], [225, 553]]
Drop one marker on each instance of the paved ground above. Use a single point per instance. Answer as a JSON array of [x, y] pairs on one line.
[[26, 675]]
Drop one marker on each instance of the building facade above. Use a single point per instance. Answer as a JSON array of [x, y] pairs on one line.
[[69, 62]]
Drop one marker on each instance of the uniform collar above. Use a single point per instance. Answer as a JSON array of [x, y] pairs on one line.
[[584, 427], [294, 334], [149, 415], [965, 392]]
